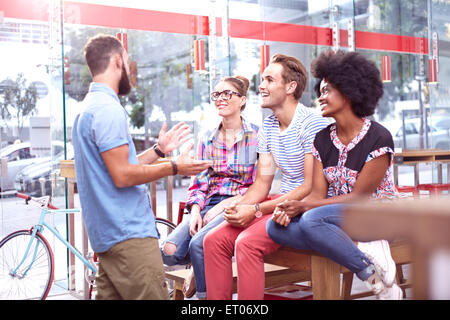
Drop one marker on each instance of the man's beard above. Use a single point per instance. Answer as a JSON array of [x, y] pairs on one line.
[[124, 83]]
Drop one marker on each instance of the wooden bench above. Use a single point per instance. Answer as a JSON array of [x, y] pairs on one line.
[[325, 274], [286, 266], [275, 275]]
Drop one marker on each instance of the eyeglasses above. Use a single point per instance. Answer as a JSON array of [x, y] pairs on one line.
[[226, 95]]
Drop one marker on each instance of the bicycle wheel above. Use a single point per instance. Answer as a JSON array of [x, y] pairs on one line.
[[165, 227], [33, 283]]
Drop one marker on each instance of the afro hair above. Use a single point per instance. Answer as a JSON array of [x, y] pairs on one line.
[[356, 78]]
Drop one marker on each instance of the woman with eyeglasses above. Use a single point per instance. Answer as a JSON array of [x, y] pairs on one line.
[[232, 148]]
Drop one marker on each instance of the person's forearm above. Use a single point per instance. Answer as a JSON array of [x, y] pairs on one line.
[[195, 209], [316, 201], [198, 190], [297, 194], [256, 193], [148, 156], [132, 175]]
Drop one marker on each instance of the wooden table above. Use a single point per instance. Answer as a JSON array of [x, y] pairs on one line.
[[67, 170], [424, 223], [415, 157]]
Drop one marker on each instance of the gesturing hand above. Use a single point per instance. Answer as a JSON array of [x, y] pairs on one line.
[[175, 137], [190, 167]]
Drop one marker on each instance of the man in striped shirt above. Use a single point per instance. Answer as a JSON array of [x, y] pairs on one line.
[[285, 141]]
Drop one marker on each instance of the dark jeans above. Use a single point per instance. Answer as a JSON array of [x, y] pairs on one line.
[[319, 229]]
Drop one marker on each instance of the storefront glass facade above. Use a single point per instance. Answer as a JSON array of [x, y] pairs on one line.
[[41, 45]]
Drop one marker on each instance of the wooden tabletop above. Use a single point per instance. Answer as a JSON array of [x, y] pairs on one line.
[[429, 155], [423, 220], [424, 223]]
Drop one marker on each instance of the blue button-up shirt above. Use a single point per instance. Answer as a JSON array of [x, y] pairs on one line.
[[111, 214]]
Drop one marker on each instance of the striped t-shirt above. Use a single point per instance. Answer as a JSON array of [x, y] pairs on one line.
[[288, 148]]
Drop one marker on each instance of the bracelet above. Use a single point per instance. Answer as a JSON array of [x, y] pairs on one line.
[[174, 167], [158, 151]]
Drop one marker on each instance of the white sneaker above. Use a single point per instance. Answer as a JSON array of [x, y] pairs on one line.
[[379, 254], [376, 285], [391, 293]]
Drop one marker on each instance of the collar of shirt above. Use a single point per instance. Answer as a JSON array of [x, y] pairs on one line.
[[245, 126], [101, 87]]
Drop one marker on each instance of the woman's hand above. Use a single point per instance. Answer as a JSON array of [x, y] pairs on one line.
[[287, 210], [196, 222], [219, 208]]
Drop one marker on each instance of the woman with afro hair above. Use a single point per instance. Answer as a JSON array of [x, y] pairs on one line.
[[352, 161]]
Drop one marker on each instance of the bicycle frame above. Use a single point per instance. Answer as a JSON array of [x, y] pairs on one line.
[[39, 227]]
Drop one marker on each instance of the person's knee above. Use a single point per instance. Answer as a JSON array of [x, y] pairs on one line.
[[211, 241], [208, 241], [306, 225], [244, 246], [196, 244], [273, 230], [169, 249]]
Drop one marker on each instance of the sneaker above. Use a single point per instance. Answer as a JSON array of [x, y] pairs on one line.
[[379, 254], [391, 293], [375, 284]]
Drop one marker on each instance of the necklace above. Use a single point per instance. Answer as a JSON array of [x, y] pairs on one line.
[[228, 136]]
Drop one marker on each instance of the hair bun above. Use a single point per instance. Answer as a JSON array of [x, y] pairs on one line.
[[244, 80]]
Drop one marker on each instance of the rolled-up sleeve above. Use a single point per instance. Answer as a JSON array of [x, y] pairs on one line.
[[199, 187]]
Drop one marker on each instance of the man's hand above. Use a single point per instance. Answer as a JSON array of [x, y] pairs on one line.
[[239, 215], [190, 167], [175, 137]]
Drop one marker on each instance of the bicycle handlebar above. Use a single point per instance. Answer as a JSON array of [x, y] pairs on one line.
[[23, 196], [28, 198]]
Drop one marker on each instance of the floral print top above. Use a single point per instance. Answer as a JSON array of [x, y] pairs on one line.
[[343, 163]]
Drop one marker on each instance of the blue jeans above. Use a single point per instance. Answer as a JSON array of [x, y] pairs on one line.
[[319, 229], [190, 249]]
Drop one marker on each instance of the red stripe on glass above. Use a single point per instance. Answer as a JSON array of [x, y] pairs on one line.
[[140, 19]]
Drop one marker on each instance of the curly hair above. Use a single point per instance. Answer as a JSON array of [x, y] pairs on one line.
[[356, 78]]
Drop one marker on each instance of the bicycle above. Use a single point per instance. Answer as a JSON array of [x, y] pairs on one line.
[[27, 260]]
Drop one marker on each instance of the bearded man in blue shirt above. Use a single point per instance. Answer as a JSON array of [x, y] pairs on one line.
[[111, 179]]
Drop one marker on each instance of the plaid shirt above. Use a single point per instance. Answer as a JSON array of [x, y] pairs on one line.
[[233, 169]]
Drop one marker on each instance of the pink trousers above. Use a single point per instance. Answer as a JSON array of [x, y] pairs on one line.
[[248, 245]]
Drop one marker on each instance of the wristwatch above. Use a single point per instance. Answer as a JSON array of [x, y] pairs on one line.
[[158, 151], [258, 212]]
